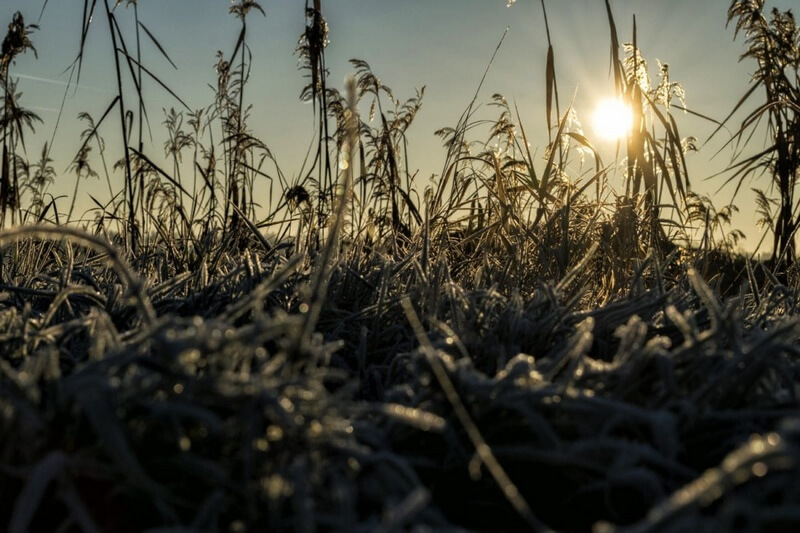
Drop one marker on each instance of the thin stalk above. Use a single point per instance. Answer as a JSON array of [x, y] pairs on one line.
[[133, 232], [140, 82]]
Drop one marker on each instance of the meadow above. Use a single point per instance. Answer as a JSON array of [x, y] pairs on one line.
[[516, 345]]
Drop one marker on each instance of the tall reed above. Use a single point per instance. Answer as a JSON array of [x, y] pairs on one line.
[[773, 42]]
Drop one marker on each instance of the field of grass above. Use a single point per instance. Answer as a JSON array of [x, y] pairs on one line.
[[514, 346]]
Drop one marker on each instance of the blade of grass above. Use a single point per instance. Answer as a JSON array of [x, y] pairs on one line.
[[484, 452]]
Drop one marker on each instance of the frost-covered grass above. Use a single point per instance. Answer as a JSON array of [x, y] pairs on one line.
[[517, 347]]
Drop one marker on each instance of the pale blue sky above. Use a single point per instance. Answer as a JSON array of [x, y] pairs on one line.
[[443, 44]]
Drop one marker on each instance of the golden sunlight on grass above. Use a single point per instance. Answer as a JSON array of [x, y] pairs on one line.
[[532, 339], [612, 119]]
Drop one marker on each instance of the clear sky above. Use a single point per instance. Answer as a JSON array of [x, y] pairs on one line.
[[442, 44]]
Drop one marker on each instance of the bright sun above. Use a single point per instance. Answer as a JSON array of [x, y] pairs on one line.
[[612, 119]]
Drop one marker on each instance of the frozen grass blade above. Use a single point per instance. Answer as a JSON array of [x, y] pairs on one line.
[[126, 274], [482, 449], [231, 372], [49, 469], [753, 459]]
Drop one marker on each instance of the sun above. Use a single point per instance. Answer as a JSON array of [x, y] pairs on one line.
[[612, 119]]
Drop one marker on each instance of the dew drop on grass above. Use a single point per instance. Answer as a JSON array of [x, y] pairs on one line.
[[275, 487], [760, 469], [757, 445], [287, 404], [189, 357], [315, 429], [274, 433]]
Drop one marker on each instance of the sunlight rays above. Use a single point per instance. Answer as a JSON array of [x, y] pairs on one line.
[[612, 119]]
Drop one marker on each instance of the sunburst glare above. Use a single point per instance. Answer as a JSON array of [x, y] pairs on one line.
[[612, 119]]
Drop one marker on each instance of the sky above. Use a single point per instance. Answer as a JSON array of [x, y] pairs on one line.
[[444, 45]]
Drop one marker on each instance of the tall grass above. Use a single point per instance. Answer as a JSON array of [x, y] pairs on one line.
[[14, 119], [514, 346], [773, 42]]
